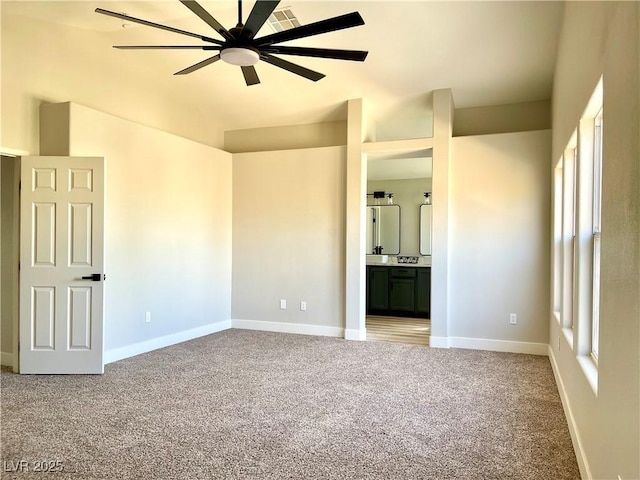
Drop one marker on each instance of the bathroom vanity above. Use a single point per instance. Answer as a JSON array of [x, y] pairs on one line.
[[399, 290]]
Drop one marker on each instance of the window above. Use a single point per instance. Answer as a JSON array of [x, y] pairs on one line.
[[557, 239], [577, 230], [596, 231], [569, 183]]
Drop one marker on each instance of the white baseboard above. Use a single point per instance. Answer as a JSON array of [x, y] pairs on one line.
[[127, 351], [357, 335], [438, 342], [489, 344], [6, 359], [282, 327], [583, 465], [499, 345]]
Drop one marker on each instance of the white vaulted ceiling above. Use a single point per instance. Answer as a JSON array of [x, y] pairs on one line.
[[488, 53]]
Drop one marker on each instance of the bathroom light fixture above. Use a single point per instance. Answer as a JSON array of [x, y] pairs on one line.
[[378, 195]]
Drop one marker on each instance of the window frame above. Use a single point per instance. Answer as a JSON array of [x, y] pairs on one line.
[[577, 237]]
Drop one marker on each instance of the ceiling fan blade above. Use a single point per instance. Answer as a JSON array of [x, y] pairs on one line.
[[323, 26], [250, 75], [161, 47], [199, 65], [259, 14], [292, 67], [205, 16], [122, 16], [355, 55]]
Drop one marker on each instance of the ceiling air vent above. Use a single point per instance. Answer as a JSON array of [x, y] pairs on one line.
[[283, 19]]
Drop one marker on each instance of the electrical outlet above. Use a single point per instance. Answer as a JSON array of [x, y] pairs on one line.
[[283, 304], [303, 306], [147, 317], [513, 319]]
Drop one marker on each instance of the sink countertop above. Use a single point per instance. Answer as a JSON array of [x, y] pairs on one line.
[[393, 263]]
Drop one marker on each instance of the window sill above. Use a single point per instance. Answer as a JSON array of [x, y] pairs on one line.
[[590, 371]]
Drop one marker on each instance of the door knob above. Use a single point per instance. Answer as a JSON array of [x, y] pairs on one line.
[[95, 277]]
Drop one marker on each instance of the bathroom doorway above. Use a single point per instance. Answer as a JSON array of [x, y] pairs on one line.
[[398, 248]]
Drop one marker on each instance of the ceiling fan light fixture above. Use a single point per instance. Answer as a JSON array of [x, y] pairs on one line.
[[242, 57]]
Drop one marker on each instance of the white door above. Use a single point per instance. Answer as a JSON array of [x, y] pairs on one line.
[[61, 265]]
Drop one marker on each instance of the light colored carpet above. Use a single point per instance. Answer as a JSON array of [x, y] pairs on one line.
[[259, 405]]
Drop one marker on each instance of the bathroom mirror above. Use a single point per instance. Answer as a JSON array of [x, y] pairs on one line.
[[426, 214], [383, 229]]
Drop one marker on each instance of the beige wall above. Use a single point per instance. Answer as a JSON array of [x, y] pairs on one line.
[[409, 194], [167, 226], [289, 238], [412, 118], [45, 62], [602, 38], [498, 237], [517, 117], [290, 137]]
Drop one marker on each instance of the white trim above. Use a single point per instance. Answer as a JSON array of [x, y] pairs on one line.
[[499, 345], [412, 145], [6, 359], [438, 342], [282, 327], [583, 465], [12, 152], [568, 336], [127, 351], [590, 371], [357, 335]]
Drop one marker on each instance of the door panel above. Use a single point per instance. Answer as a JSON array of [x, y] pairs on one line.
[[378, 289], [62, 241], [423, 291], [43, 318], [80, 318], [80, 235], [402, 296], [43, 234]]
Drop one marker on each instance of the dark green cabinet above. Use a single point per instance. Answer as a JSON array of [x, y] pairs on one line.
[[377, 289], [423, 291], [402, 294], [400, 291]]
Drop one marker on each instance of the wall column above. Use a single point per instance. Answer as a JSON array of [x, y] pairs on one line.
[[443, 108], [355, 259]]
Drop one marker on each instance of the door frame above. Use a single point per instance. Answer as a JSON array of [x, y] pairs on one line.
[[15, 259]]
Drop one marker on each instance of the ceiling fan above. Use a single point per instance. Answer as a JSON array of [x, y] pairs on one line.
[[241, 48]]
